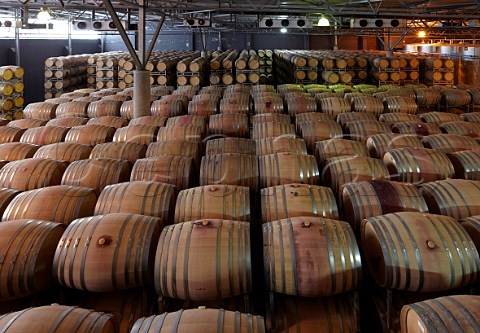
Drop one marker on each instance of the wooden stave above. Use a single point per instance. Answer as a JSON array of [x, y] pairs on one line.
[[68, 122], [46, 135], [449, 143]]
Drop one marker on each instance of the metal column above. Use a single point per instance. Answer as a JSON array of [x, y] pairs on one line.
[[141, 90]]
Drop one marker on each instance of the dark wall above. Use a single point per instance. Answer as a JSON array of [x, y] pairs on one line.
[[193, 40], [33, 53]]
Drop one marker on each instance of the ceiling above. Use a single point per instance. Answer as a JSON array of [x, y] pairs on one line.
[[243, 15]]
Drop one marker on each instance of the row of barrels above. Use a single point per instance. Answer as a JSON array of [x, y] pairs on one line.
[[443, 313]]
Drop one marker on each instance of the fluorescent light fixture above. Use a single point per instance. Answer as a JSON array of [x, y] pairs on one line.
[[283, 30], [44, 15], [422, 34], [323, 22]]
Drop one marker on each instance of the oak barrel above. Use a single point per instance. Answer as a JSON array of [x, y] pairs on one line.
[[367, 104], [138, 134], [333, 106], [338, 147], [170, 169], [204, 108], [121, 255], [230, 169], [271, 117], [309, 117], [379, 144], [188, 120], [287, 168], [204, 260], [346, 169], [400, 104], [40, 110], [230, 146], [103, 108], [299, 104], [268, 105], [13, 151], [127, 151], [169, 107], [27, 123], [32, 173], [61, 204], [138, 197], [297, 249], [34, 241], [232, 105], [200, 320], [227, 202], [112, 121], [272, 129], [295, 200], [379, 197], [419, 252], [181, 132], [466, 164], [459, 313], [11, 134], [360, 130], [418, 165], [344, 118], [148, 121], [460, 128], [472, 117], [416, 128], [472, 226], [45, 135], [393, 118], [56, 318], [280, 144], [450, 143], [65, 151], [176, 147], [229, 124], [439, 118], [315, 131], [90, 134], [72, 109], [457, 198], [96, 173], [67, 122]]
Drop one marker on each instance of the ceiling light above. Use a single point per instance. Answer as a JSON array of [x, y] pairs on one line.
[[44, 14], [323, 22], [422, 34], [283, 30]]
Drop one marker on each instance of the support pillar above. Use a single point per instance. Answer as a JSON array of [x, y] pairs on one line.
[[141, 93]]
